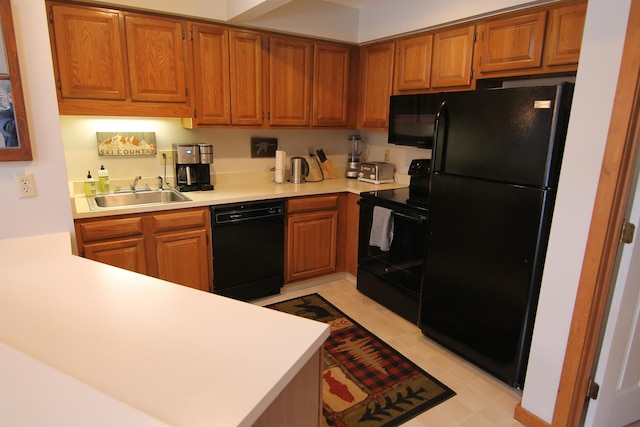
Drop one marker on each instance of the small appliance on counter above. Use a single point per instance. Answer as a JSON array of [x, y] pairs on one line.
[[376, 172], [192, 166], [299, 170], [355, 152]]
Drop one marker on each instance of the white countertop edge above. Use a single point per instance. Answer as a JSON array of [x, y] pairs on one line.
[[115, 306]]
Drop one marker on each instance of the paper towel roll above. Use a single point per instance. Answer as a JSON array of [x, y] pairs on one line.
[[280, 159]]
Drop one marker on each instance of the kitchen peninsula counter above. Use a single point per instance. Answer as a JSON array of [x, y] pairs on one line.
[[85, 343], [233, 193]]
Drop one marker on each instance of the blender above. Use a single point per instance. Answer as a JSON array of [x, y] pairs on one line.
[[356, 148]]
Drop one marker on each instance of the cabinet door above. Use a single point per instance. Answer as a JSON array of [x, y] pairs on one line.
[[124, 253], [452, 57], [413, 64], [565, 34], [289, 81], [246, 77], [376, 77], [157, 62], [89, 51], [183, 258], [311, 244], [330, 84], [512, 43], [211, 74]]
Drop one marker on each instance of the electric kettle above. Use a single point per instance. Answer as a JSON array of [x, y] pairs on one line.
[[299, 170]]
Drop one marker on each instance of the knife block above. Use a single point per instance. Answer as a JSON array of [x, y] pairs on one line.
[[328, 170]]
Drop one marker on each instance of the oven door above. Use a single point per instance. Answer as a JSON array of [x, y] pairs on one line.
[[393, 277]]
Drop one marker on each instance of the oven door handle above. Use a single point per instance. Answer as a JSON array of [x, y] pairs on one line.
[[415, 218]]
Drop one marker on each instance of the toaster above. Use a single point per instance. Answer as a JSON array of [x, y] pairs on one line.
[[376, 172]]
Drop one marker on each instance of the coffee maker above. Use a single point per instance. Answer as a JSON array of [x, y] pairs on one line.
[[192, 166]]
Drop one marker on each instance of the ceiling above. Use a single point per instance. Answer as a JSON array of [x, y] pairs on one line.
[[355, 21]]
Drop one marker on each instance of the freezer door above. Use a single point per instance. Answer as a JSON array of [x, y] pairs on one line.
[[513, 135], [484, 258]]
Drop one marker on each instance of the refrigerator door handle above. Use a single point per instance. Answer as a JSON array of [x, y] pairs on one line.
[[441, 124]]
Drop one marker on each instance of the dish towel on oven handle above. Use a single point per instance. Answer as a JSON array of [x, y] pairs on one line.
[[381, 228]]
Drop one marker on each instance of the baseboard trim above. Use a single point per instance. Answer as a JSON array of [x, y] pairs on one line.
[[527, 418]]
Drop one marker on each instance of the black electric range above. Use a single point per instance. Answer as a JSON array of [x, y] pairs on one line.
[[391, 270]]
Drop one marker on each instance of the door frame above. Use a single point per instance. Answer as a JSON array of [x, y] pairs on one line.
[[596, 278]]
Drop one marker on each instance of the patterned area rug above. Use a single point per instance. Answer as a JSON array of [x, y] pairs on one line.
[[366, 382]]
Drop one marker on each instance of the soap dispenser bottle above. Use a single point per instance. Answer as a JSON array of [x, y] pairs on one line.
[[89, 185], [103, 180]]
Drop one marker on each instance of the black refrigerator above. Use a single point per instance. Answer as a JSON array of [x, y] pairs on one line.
[[495, 166]]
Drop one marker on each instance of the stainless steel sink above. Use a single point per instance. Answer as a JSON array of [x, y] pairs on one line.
[[130, 198]]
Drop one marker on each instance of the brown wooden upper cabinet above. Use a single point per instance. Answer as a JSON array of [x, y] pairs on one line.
[[413, 64], [376, 77], [564, 38], [113, 62], [331, 74], [511, 43], [211, 74], [547, 41], [452, 58], [89, 49], [289, 81], [247, 71], [156, 53]]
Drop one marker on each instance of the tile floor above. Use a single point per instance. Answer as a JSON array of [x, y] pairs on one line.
[[481, 400]]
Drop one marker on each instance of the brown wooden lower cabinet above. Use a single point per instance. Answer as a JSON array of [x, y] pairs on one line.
[[171, 245], [311, 235]]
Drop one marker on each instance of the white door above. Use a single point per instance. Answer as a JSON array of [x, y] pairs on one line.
[[618, 369]]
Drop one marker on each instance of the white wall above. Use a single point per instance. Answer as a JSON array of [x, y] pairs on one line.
[[50, 210], [590, 115]]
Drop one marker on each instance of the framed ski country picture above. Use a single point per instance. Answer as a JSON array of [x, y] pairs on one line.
[[126, 143]]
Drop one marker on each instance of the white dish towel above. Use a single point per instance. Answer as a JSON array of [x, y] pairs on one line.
[[381, 228]]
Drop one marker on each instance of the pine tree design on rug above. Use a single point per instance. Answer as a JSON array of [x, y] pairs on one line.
[[365, 381]]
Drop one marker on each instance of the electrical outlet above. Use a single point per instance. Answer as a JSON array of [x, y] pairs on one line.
[[387, 155], [26, 185], [166, 156]]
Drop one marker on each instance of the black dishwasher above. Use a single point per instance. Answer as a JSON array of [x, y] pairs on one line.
[[248, 249]]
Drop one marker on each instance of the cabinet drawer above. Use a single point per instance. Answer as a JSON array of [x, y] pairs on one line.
[[110, 229], [304, 204], [180, 219]]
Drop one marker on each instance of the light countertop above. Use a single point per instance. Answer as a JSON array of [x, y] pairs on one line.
[[231, 193], [148, 352]]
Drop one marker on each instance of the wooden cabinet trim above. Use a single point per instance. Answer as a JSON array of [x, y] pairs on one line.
[[313, 203]]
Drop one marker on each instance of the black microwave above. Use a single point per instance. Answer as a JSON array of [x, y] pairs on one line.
[[412, 119]]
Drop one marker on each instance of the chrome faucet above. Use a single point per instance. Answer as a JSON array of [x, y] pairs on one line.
[[135, 181], [160, 182]]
